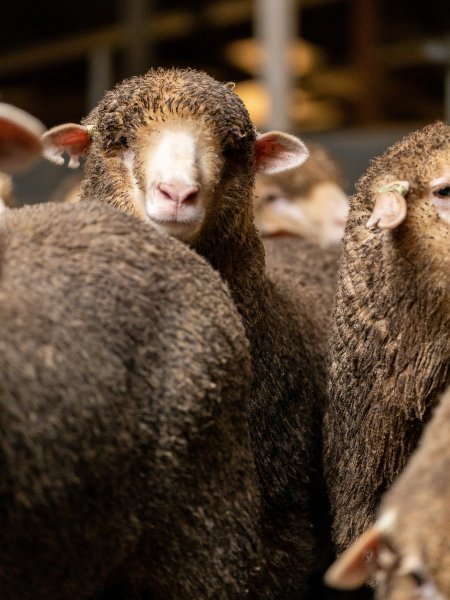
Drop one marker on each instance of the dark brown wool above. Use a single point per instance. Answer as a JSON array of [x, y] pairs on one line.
[[304, 260], [390, 342], [124, 456], [288, 382]]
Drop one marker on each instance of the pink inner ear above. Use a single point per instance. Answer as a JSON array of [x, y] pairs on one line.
[[18, 146], [266, 149], [71, 138], [276, 151], [74, 138]]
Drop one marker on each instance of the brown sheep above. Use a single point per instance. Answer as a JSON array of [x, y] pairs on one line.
[[177, 149], [390, 342], [408, 547], [125, 463], [308, 201]]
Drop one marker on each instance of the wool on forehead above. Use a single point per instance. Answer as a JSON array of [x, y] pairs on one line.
[[414, 158], [162, 93]]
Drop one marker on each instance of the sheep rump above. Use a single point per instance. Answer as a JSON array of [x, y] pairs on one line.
[[124, 448]]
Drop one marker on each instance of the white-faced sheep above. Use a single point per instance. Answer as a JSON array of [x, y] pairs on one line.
[[307, 201], [390, 342], [177, 149], [408, 548]]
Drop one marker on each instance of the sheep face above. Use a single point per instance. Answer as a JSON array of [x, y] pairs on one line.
[[173, 170], [308, 201], [319, 215], [409, 200], [175, 148]]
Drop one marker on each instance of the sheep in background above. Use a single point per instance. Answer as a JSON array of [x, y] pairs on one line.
[[408, 547], [390, 341], [307, 201], [177, 149], [20, 146], [301, 215], [124, 452]]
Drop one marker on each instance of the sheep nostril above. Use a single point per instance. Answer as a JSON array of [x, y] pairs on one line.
[[190, 196], [178, 193], [165, 192]]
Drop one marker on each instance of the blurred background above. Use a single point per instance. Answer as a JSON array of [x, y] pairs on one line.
[[354, 75]]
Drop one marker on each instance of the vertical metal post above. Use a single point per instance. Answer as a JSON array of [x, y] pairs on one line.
[[274, 22], [100, 77]]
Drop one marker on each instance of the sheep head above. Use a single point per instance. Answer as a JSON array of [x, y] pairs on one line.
[[319, 215], [404, 199], [171, 147]]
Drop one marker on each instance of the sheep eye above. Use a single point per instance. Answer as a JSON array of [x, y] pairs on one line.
[[443, 192], [123, 140], [271, 197]]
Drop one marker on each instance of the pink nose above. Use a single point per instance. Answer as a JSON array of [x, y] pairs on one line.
[[178, 192]]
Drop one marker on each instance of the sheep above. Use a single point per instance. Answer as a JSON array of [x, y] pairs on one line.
[[408, 548], [389, 353], [177, 149], [308, 201], [125, 464]]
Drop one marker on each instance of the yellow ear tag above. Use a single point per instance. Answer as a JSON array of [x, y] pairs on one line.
[[90, 131], [399, 187], [390, 206]]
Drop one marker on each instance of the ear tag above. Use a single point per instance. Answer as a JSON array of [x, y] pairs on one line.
[[90, 131]]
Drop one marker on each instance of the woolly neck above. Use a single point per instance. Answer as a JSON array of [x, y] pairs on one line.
[[389, 361]]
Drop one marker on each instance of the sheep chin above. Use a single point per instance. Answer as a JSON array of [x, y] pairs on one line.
[[181, 230]]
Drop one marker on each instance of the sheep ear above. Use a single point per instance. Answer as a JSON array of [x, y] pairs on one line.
[[357, 564], [361, 560], [390, 206], [71, 138], [276, 151], [20, 134]]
